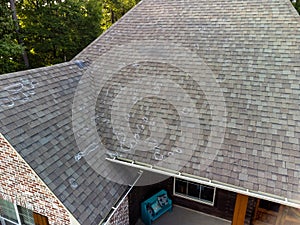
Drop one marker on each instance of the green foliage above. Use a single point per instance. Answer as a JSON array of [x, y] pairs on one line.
[[55, 31], [296, 5], [10, 50], [114, 10]]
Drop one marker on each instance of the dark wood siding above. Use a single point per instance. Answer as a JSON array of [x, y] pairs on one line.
[[40, 219]]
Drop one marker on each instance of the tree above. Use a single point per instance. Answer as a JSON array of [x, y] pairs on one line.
[[113, 10], [10, 50], [55, 31], [296, 4]]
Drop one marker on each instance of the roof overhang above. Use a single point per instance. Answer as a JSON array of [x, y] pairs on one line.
[[205, 181]]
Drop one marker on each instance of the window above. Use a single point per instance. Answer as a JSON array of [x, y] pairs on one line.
[[194, 191], [269, 205], [8, 213], [11, 214], [26, 216]]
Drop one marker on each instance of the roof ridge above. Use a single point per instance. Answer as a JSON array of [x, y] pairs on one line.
[[35, 70], [292, 9], [107, 31]]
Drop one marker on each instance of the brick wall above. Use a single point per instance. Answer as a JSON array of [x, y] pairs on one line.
[[19, 183], [121, 216]]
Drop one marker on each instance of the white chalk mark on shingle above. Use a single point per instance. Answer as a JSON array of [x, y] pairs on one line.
[[17, 92], [170, 153], [158, 156], [137, 136], [178, 150], [7, 102], [73, 183], [92, 147]]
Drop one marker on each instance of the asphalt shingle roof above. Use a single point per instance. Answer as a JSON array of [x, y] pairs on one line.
[[252, 49], [212, 88], [36, 118]]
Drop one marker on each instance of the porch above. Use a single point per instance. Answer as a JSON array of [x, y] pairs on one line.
[[184, 216]]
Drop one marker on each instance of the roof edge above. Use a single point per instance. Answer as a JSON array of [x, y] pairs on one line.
[[39, 69], [205, 181], [292, 9], [78, 56]]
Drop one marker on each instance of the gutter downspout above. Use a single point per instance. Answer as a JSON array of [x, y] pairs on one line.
[[115, 208]]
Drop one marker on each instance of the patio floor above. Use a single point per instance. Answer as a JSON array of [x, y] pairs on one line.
[[184, 216]]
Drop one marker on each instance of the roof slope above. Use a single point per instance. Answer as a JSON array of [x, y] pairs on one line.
[[36, 118], [243, 52], [252, 48]]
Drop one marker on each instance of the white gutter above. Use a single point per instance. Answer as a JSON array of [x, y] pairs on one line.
[[205, 181], [115, 208]]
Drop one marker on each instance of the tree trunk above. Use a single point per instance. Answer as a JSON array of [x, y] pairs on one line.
[[20, 41]]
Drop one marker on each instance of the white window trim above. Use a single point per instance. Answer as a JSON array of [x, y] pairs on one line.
[[3, 220], [191, 198], [17, 212]]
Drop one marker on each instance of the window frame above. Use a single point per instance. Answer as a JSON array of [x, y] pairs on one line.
[[17, 212], [4, 220], [188, 197]]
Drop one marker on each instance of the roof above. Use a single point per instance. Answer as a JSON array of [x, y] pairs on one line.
[[204, 87], [36, 118], [240, 63]]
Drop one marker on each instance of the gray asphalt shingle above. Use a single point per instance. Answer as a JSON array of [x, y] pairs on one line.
[[159, 74], [41, 132], [253, 52]]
